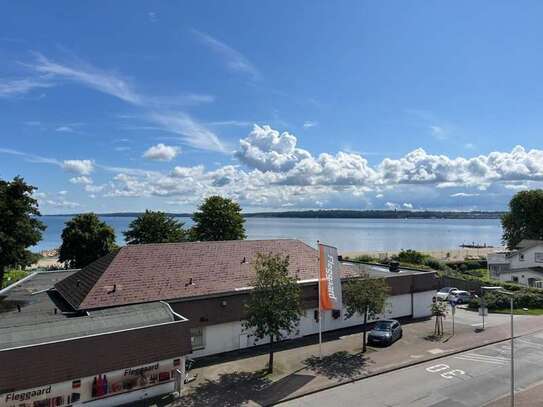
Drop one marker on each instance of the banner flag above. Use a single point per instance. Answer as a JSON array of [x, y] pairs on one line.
[[330, 279]]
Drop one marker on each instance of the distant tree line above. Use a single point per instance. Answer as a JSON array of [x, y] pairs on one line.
[[341, 214]]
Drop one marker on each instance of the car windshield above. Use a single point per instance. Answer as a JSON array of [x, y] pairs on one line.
[[383, 326], [445, 290]]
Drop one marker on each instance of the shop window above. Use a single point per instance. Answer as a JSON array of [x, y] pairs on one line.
[[197, 338]]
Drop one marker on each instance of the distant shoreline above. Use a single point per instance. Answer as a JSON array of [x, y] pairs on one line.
[[339, 214]]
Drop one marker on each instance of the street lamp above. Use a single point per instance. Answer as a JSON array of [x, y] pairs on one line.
[[501, 290]]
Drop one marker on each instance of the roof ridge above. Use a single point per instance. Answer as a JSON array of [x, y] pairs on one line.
[[211, 241]]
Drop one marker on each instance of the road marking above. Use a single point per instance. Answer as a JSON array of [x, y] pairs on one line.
[[478, 324], [492, 362], [529, 343], [436, 351], [474, 357]]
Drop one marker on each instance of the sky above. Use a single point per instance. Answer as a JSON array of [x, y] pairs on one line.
[[281, 105]]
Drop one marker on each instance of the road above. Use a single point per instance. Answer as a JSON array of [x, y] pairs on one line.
[[467, 379]]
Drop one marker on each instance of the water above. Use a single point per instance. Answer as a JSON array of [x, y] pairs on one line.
[[347, 234]]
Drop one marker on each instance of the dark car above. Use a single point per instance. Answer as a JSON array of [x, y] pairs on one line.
[[385, 332]]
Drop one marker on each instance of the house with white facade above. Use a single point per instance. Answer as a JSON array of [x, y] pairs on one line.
[[524, 265]]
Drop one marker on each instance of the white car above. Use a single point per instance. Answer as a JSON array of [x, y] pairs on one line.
[[460, 296], [443, 294]]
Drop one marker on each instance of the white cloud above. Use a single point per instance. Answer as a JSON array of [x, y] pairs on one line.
[[191, 132], [83, 167], [83, 180], [407, 205], [16, 87], [161, 152], [153, 17], [105, 82], [64, 129], [463, 195], [308, 124], [184, 172], [60, 203], [235, 61], [268, 150], [391, 205], [438, 132]]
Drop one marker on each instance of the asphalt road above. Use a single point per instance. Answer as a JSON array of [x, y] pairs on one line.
[[471, 378]]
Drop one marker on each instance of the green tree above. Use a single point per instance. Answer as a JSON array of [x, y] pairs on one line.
[[273, 309], [19, 226], [85, 239], [155, 227], [365, 296], [524, 219], [218, 218]]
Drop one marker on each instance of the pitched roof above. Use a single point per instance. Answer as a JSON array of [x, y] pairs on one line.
[[152, 272]]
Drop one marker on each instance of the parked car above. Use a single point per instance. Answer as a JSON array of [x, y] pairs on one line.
[[460, 296], [443, 294], [385, 332]]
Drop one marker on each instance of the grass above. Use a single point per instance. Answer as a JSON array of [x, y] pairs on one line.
[[519, 311], [12, 276]]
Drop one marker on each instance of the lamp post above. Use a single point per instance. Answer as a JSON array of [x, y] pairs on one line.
[[501, 290]]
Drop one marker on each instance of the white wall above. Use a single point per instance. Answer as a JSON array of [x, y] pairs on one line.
[[529, 258], [523, 275], [230, 336]]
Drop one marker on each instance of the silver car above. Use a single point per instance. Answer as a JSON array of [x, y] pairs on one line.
[[385, 332]]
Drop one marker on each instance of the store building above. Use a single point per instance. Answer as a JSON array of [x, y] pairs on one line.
[[209, 282], [53, 356]]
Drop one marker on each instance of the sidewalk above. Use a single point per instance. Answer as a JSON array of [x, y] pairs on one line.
[[239, 378]]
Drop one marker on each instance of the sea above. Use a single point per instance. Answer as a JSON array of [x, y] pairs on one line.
[[375, 235]]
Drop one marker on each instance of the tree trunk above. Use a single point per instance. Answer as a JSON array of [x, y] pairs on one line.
[[364, 329], [270, 362]]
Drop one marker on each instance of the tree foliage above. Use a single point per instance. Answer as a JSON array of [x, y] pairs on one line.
[[273, 309], [367, 297], [155, 227], [218, 218], [19, 226], [85, 239], [524, 219]]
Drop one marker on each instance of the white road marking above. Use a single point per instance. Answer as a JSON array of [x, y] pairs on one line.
[[475, 357], [529, 343], [492, 362]]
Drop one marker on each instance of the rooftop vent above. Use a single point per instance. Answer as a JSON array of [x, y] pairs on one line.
[[244, 260], [189, 283]]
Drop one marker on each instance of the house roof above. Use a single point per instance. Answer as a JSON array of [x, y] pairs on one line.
[[152, 272], [528, 243], [177, 271]]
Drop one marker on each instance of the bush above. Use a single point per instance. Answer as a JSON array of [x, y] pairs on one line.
[[521, 299], [366, 258], [435, 264], [411, 257]]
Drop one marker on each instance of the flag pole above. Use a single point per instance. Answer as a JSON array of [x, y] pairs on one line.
[[320, 313]]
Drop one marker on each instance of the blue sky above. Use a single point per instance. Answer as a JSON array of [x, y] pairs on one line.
[[123, 106]]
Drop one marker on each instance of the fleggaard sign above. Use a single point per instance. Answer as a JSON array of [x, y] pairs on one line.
[[27, 395]]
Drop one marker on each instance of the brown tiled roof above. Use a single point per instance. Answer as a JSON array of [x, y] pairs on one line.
[[76, 287], [143, 273]]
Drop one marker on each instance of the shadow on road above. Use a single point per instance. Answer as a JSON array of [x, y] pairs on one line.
[[339, 366]]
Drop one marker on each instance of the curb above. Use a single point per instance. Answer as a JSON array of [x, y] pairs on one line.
[[392, 369]]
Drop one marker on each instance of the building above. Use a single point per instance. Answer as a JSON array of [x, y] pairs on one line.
[[119, 329], [50, 356], [524, 265], [209, 282]]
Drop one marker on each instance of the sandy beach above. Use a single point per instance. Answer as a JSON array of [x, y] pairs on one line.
[[444, 255]]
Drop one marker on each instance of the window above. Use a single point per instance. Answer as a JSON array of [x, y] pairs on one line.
[[197, 338], [515, 279], [521, 257]]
